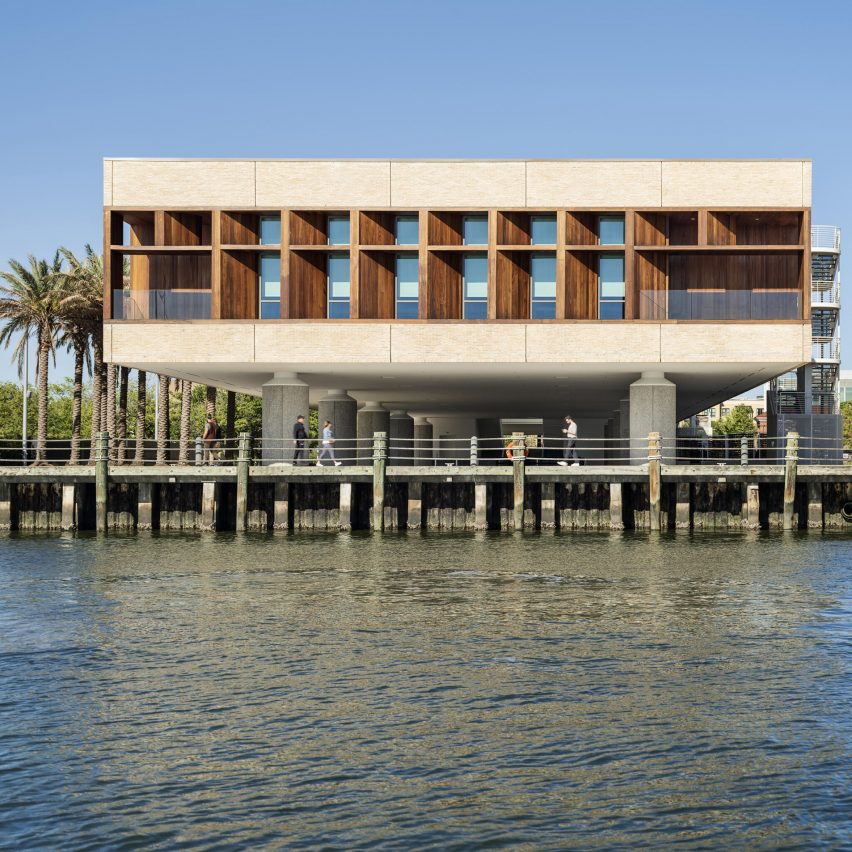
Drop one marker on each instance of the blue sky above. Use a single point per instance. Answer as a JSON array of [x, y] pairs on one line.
[[82, 81]]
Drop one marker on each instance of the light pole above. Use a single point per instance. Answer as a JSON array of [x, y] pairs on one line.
[[26, 395]]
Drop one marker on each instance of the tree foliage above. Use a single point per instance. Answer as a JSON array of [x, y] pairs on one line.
[[739, 422]]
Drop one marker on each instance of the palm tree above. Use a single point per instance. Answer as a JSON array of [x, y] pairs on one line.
[[141, 411], [29, 304], [121, 421], [185, 402], [163, 420], [230, 417], [108, 421], [82, 320], [210, 401]]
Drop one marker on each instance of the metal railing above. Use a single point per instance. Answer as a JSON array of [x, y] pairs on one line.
[[825, 350], [162, 304], [796, 402], [828, 295], [720, 304], [825, 238]]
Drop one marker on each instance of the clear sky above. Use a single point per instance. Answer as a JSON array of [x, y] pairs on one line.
[[202, 78]]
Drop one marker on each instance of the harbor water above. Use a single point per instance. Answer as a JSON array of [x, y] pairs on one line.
[[425, 691]]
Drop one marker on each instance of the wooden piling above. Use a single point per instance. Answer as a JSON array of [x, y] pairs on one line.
[[519, 479], [101, 480], [790, 464], [243, 461], [616, 512], [654, 480], [815, 505], [281, 506], [682, 509], [5, 506], [208, 505], [753, 506], [69, 507], [480, 506], [379, 466], [345, 514], [548, 505], [145, 506], [415, 505]]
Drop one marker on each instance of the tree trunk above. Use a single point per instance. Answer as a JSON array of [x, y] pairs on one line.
[[210, 402], [163, 420], [97, 391], [230, 417], [43, 358], [110, 409], [141, 411], [77, 404], [121, 423], [185, 402]]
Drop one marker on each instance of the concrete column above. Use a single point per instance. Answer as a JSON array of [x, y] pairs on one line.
[[401, 435], [285, 397], [145, 507], [281, 509], [415, 505], [753, 503], [480, 505], [5, 506], [616, 521], [69, 507], [423, 441], [372, 418], [548, 505], [208, 505], [682, 508], [652, 409], [815, 505], [342, 410], [623, 412], [345, 514]]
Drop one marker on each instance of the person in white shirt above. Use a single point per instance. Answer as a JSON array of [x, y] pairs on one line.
[[327, 444], [570, 451]]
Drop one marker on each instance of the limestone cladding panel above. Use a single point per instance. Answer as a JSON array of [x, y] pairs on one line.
[[781, 343], [458, 184], [183, 183], [458, 343], [323, 184], [314, 343], [107, 183], [593, 184], [594, 342], [221, 343], [807, 179], [733, 184]]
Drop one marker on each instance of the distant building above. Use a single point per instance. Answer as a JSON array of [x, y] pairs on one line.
[[709, 416]]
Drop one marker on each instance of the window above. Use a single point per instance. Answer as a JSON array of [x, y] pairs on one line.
[[543, 230], [270, 230], [611, 269], [270, 286], [611, 230], [407, 231], [475, 287], [338, 230], [475, 230], [338, 286], [543, 286], [407, 289]]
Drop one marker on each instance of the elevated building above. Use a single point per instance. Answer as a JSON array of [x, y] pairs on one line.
[[462, 295]]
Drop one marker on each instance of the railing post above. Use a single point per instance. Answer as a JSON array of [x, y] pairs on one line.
[[474, 451], [199, 452], [654, 479], [519, 477], [380, 458], [743, 449], [791, 462], [101, 480], [243, 461]]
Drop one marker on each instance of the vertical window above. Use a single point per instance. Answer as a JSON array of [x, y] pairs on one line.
[[611, 269], [611, 230], [269, 273], [407, 231], [543, 230], [338, 230], [475, 230], [338, 286], [270, 230], [543, 286], [475, 287], [407, 288]]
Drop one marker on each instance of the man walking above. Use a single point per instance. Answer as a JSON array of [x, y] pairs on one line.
[[570, 451], [210, 439], [300, 440]]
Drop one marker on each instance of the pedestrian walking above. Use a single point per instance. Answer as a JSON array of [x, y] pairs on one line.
[[210, 439], [327, 450], [570, 451], [300, 440]]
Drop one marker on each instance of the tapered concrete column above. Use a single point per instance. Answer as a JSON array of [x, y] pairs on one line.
[[423, 452], [342, 410], [285, 397], [401, 437], [652, 409], [372, 418]]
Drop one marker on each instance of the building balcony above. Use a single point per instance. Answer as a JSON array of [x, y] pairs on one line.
[[825, 238]]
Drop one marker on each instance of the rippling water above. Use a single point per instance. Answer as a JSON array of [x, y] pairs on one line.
[[425, 691]]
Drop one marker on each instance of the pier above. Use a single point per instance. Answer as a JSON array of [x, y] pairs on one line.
[[241, 495]]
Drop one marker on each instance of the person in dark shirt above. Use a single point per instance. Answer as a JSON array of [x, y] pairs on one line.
[[300, 440]]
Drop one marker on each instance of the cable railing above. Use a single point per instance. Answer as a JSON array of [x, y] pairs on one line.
[[825, 238], [439, 453]]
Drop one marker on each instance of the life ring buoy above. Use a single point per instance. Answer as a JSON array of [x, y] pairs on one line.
[[511, 445]]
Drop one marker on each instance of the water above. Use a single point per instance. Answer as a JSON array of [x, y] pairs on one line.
[[425, 691]]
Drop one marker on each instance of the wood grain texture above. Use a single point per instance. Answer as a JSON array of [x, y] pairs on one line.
[[308, 285], [239, 298], [240, 229], [581, 285], [377, 296], [445, 285], [513, 285]]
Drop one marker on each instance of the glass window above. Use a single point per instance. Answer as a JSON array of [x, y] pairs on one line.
[[407, 231], [611, 269], [543, 230], [475, 286], [338, 230], [407, 286], [338, 286], [543, 286], [269, 275], [270, 230], [475, 230], [611, 230]]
